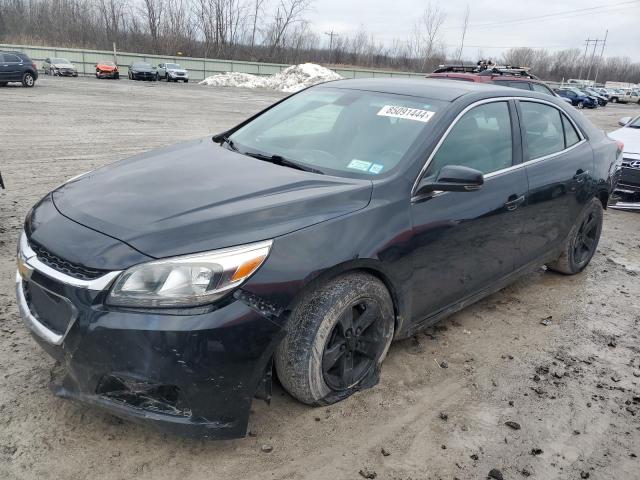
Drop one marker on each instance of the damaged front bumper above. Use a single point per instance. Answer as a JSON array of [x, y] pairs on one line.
[[189, 373]]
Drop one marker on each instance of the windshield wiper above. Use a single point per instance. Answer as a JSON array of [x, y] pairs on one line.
[[280, 160]]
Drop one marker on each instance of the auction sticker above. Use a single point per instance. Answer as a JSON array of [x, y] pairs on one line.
[[406, 112]]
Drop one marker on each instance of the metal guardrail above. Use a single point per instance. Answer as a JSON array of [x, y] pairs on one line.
[[199, 68]]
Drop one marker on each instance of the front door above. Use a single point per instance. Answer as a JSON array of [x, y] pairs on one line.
[[464, 242], [4, 69], [12, 67]]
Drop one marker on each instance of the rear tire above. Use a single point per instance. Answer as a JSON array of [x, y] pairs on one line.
[[582, 241], [3, 84], [28, 80], [580, 105], [338, 335]]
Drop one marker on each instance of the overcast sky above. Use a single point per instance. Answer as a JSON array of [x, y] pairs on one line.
[[387, 20]]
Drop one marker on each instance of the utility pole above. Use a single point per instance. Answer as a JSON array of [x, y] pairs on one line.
[[331, 35], [584, 58], [604, 43], [115, 55], [593, 56]]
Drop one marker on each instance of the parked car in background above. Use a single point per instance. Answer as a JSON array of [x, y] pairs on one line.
[[508, 77], [602, 100], [629, 135], [578, 98], [59, 67], [107, 70], [615, 95], [172, 72], [143, 71], [170, 284], [632, 96], [17, 67]]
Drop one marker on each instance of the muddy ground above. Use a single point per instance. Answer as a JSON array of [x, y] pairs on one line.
[[572, 386]]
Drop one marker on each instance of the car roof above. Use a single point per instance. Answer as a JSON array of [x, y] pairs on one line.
[[422, 87]]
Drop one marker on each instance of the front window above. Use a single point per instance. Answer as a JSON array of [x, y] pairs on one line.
[[339, 131], [481, 140]]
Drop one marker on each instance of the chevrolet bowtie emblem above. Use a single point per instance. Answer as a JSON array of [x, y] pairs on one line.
[[24, 268]]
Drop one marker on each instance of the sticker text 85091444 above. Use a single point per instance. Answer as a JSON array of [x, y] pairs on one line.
[[406, 112]]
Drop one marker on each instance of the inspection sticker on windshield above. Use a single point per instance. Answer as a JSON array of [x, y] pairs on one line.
[[406, 112], [359, 165]]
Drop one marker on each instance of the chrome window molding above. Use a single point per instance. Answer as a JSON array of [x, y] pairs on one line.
[[512, 167], [29, 261]]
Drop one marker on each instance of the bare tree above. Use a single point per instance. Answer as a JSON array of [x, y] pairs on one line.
[[288, 13], [153, 11], [426, 35], [465, 25]]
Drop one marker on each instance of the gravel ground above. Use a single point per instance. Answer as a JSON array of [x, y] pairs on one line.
[[572, 387]]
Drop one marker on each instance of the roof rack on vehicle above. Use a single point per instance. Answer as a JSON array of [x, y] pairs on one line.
[[487, 68]]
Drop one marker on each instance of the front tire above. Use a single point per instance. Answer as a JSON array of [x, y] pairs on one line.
[[337, 338], [582, 242], [580, 105]]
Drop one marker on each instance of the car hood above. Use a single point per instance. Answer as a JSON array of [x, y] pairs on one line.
[[630, 137], [142, 69], [107, 68], [176, 70], [198, 196]]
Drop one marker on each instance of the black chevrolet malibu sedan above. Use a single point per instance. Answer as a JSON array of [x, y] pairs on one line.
[[303, 241]]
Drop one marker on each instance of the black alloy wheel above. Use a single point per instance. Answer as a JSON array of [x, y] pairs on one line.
[[582, 242], [586, 241], [354, 345]]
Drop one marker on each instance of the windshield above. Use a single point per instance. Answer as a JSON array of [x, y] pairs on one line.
[[174, 66], [339, 131], [635, 123], [141, 65], [59, 60]]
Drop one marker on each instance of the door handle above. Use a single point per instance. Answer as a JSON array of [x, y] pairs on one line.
[[514, 202]]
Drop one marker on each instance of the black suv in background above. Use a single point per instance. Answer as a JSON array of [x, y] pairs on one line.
[[17, 67]]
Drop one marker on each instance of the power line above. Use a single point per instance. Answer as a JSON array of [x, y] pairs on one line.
[[577, 12]]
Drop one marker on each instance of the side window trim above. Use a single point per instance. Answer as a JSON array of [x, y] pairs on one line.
[[446, 133], [525, 152]]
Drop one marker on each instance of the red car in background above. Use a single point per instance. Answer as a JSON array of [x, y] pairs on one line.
[[107, 70], [507, 76]]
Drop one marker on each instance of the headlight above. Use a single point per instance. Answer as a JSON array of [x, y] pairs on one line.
[[190, 280]]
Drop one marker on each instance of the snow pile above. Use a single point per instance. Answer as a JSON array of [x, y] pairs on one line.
[[292, 79]]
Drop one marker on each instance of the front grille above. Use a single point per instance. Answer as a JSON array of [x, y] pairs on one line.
[[53, 311], [630, 175], [63, 266]]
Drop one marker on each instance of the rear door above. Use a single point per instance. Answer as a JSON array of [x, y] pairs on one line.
[[559, 164], [464, 242]]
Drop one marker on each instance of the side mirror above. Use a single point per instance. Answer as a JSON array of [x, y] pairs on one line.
[[452, 178], [623, 121]]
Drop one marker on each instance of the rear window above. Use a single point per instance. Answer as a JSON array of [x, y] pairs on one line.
[[543, 130], [10, 58], [512, 84]]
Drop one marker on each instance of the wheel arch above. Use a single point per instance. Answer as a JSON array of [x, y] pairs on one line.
[[603, 195], [372, 267]]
